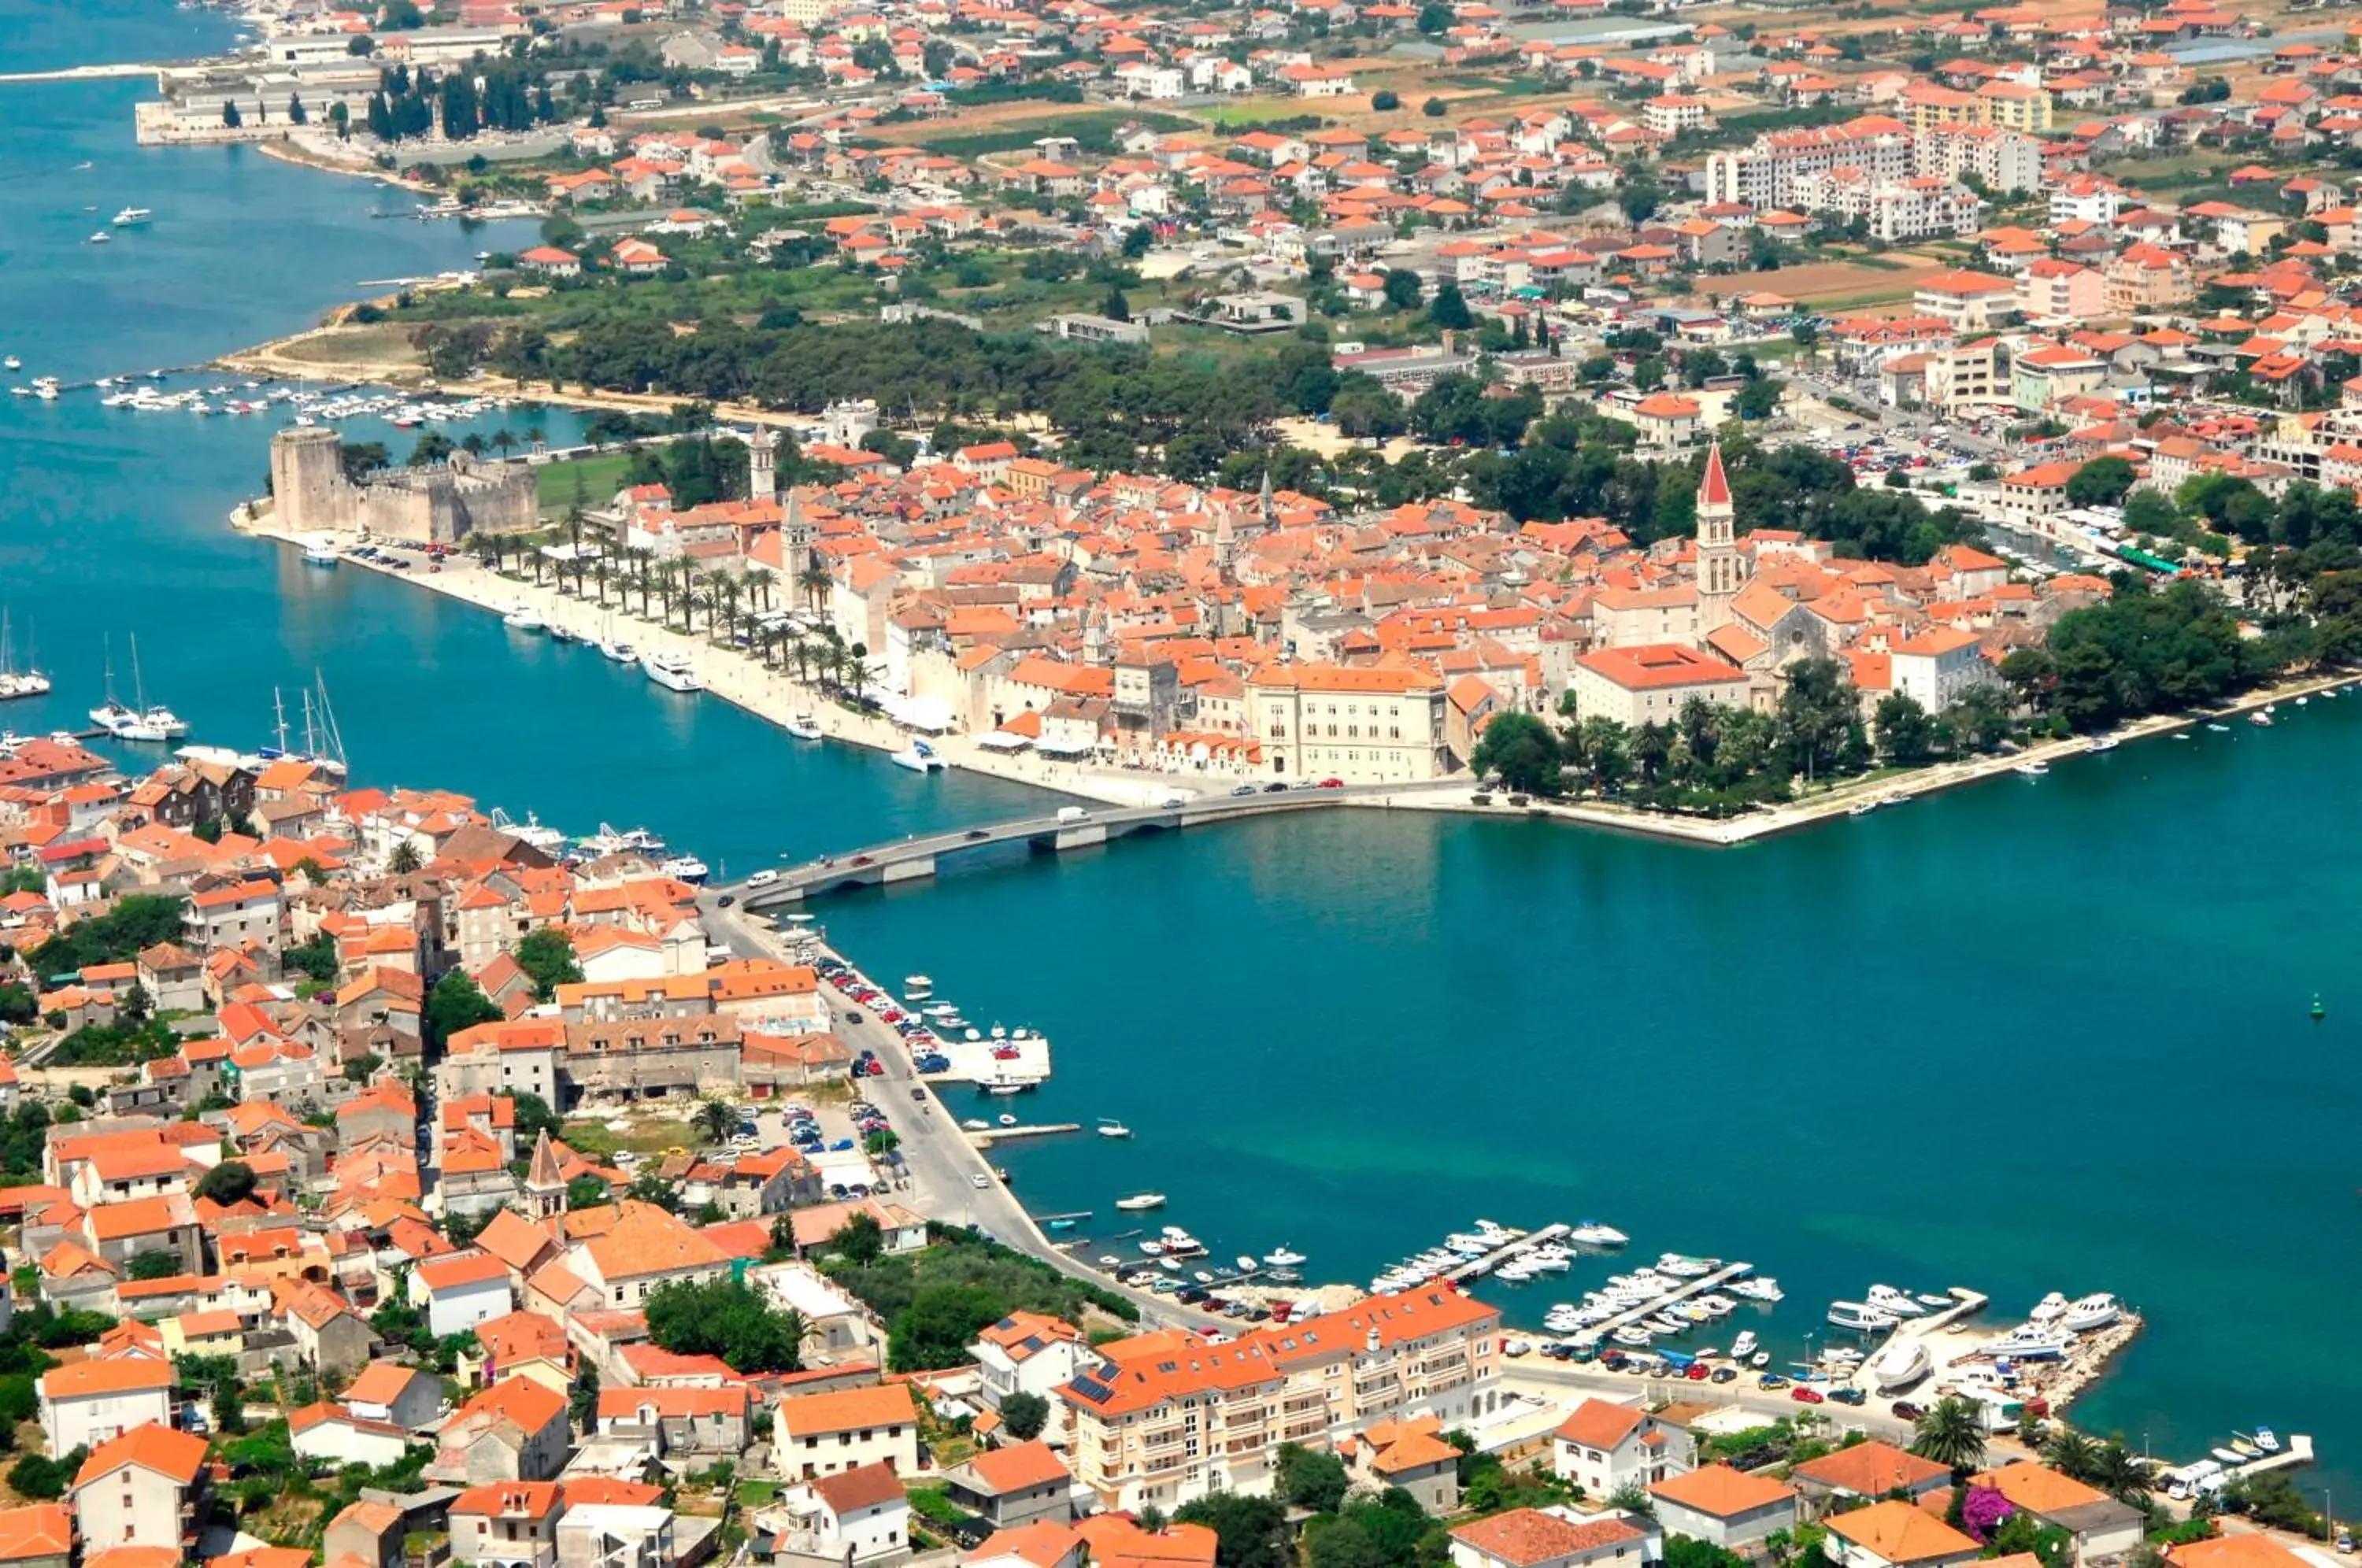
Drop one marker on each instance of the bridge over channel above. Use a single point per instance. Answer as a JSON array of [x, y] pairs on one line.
[[905, 860]]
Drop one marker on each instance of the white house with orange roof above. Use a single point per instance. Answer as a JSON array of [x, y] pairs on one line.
[[89, 1402], [460, 1290], [1652, 682], [1603, 1447], [140, 1489], [1722, 1507], [822, 1434], [1027, 1352]]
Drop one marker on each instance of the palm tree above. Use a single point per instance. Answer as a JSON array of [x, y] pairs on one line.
[[729, 588], [816, 582], [504, 441], [639, 560], [2072, 1454], [760, 580], [1951, 1433], [2116, 1471], [714, 1119]]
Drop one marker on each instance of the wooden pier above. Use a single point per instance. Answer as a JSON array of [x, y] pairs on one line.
[[1687, 1288]]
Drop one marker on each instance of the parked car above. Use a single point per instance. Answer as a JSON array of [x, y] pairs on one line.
[[981, 1181], [1772, 1380], [1848, 1396], [1244, 789], [1908, 1411], [1804, 1396]]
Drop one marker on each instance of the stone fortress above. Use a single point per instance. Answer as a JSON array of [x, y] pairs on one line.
[[437, 505]]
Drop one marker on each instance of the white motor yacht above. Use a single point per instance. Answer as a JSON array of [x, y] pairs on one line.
[[2049, 1309], [2094, 1312], [1113, 1130], [673, 672], [1900, 1364], [548, 840], [521, 618], [1762, 1287], [803, 727], [2034, 769], [619, 651], [1280, 1257], [1591, 1233], [1140, 1200], [1893, 1302], [131, 216], [684, 868], [320, 551], [1743, 1346]]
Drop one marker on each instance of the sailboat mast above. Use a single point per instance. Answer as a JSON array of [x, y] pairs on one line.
[[279, 715]]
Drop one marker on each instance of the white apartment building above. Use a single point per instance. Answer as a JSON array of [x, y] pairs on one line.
[[2006, 160], [1894, 209], [1766, 174], [1167, 1417]]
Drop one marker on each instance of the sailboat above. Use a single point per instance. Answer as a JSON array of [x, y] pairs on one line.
[[14, 683], [323, 747], [616, 647], [141, 722]]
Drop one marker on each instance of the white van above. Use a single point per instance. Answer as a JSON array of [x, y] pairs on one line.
[[761, 880], [1073, 814]]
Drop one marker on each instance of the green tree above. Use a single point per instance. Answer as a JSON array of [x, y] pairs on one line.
[[546, 955], [1524, 750], [1450, 311], [2103, 481], [1904, 732], [43, 1479], [582, 1398], [860, 1240], [457, 1003], [160, 1264], [1403, 288], [231, 1181], [534, 1117], [1951, 1432], [231, 118], [1309, 1478], [1435, 108], [1249, 1532], [1385, 101], [728, 1318], [588, 1192], [404, 859], [1023, 1416]]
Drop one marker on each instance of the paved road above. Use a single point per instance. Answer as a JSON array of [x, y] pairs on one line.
[[941, 1164], [1553, 1379]]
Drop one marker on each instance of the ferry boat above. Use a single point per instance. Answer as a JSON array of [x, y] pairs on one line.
[[1858, 1317], [803, 727], [320, 551], [1139, 1201], [14, 683], [919, 757], [131, 216], [684, 868], [673, 672]]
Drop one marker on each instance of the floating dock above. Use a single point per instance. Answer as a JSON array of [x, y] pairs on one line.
[[1687, 1288], [1523, 1242], [1040, 1129]]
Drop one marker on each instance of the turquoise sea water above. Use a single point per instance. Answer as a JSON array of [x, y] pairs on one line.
[[112, 524], [2027, 1036]]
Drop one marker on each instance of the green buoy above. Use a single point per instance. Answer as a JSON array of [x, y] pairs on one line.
[[2319, 1011]]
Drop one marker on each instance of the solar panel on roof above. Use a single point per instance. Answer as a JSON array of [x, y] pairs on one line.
[[1091, 1388]]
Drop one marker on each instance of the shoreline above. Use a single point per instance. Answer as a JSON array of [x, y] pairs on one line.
[[776, 697]]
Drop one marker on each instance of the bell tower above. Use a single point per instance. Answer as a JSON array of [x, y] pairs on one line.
[[1717, 545]]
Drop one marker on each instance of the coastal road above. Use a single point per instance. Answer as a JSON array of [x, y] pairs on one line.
[[941, 1164], [1555, 1380]]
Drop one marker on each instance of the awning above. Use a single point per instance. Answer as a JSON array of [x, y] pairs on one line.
[[1001, 740], [931, 715], [1065, 749]]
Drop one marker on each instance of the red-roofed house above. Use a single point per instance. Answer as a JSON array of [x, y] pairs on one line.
[[1604, 1446]]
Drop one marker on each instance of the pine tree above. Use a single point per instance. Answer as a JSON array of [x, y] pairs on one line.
[[231, 116], [295, 115]]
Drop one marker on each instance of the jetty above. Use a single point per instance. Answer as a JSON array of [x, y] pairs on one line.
[[1682, 1292], [1040, 1129], [1523, 1242]]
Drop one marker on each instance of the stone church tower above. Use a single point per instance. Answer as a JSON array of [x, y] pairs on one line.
[[544, 1187], [1717, 545]]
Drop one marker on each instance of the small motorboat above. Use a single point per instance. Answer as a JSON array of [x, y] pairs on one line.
[[975, 1124], [2267, 1439], [805, 727], [1113, 1129], [1140, 1200], [1280, 1257], [1246, 1264], [2034, 767], [2261, 718], [1006, 1120]]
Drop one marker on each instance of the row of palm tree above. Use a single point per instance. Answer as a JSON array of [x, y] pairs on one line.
[[1952, 1432], [672, 590]]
